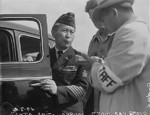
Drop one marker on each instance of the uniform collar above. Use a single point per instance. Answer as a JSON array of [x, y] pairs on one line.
[[100, 39], [61, 50]]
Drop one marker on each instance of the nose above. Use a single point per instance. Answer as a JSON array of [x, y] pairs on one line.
[[68, 34], [102, 28], [99, 25]]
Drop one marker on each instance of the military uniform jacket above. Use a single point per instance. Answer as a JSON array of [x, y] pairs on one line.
[[97, 47], [71, 81]]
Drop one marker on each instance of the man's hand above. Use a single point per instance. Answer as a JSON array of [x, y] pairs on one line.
[[87, 62], [49, 85]]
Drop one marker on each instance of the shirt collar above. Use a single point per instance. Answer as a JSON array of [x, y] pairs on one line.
[[61, 50], [100, 39]]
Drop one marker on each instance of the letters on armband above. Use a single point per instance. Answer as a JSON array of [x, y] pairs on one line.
[[109, 81], [105, 77]]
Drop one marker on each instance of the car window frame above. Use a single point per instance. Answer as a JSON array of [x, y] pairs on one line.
[[19, 70]]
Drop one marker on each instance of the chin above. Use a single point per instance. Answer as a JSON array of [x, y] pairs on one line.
[[65, 47], [68, 45]]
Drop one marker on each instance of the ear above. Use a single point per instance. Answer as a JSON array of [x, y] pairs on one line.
[[53, 33], [115, 11]]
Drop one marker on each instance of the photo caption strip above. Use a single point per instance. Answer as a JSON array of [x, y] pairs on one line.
[[148, 96]]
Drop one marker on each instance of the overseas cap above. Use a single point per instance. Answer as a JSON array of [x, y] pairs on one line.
[[94, 6], [67, 19]]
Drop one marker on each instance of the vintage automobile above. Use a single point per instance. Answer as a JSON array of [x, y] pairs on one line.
[[23, 36]]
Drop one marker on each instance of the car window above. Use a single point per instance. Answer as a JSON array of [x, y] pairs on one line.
[[20, 41], [30, 47], [5, 47]]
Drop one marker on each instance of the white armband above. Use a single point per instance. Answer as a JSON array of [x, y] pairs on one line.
[[103, 77]]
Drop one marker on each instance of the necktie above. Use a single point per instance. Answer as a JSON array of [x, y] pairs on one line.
[[59, 53]]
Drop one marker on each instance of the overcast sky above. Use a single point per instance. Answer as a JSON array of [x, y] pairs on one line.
[[54, 8]]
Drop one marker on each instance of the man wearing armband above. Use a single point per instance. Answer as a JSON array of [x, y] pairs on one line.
[[98, 47], [123, 75]]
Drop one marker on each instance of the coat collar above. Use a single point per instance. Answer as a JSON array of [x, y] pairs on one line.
[[64, 59]]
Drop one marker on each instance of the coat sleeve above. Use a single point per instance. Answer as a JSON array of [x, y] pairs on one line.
[[125, 61], [76, 91]]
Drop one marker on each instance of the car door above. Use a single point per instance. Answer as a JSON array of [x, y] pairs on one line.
[[18, 40]]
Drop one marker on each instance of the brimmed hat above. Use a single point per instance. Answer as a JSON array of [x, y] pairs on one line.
[[67, 19], [104, 4]]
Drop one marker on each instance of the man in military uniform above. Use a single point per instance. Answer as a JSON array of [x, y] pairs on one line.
[[69, 84], [99, 46]]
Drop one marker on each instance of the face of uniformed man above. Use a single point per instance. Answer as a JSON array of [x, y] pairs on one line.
[[64, 36]]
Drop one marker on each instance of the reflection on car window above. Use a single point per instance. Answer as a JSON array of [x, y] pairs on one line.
[[30, 48], [5, 47]]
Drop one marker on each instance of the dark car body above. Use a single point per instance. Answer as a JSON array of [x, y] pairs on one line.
[[17, 95]]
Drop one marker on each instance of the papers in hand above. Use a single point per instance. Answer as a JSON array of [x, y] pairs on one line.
[[79, 58], [98, 59]]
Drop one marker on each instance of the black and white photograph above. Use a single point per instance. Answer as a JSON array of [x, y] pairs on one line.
[[74, 57]]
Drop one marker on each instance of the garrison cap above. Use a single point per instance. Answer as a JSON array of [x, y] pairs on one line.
[[67, 19], [93, 7]]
